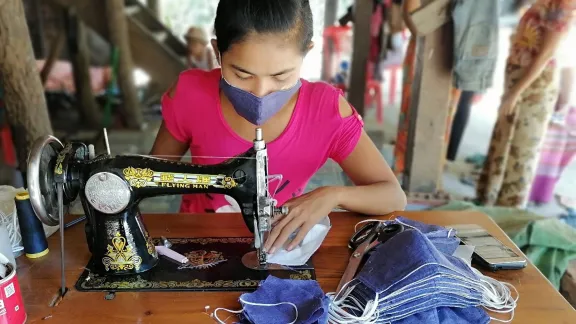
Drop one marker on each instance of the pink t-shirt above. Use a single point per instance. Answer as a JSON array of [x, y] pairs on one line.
[[315, 132]]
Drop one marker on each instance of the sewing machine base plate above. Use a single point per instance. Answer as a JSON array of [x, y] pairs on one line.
[[215, 265]]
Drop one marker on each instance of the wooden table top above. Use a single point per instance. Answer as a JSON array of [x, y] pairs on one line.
[[40, 279]]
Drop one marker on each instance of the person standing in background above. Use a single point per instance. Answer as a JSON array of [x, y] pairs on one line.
[[200, 54], [559, 145], [527, 105]]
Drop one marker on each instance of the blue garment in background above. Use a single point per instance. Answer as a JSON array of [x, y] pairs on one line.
[[307, 295]]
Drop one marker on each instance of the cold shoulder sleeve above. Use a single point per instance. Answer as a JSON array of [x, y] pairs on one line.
[[173, 112], [347, 135]]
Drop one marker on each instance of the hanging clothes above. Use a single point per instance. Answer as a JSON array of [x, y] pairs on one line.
[[476, 35], [516, 140]]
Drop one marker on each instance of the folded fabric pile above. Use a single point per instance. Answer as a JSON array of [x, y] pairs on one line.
[[414, 277], [283, 301]]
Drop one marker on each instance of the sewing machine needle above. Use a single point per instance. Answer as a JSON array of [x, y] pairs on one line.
[[61, 216]]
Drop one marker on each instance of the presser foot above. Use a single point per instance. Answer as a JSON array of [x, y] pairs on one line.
[[250, 260]]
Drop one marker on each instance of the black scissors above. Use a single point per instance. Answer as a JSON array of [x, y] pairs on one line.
[[363, 241]]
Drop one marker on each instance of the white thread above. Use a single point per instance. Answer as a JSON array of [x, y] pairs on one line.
[[496, 296], [340, 307], [254, 304], [215, 313], [272, 178]]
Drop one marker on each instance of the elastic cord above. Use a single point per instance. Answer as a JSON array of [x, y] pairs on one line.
[[255, 304]]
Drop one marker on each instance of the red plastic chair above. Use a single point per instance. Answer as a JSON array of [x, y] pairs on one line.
[[7, 146], [334, 35]]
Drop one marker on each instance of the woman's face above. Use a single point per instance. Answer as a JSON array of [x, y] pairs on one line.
[[262, 64]]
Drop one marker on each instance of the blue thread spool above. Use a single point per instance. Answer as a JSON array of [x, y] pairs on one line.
[[33, 236]]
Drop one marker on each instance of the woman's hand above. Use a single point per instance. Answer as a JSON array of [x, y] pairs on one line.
[[303, 213], [509, 101]]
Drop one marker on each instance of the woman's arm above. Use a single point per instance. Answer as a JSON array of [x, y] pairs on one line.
[[408, 7], [166, 146], [550, 42], [377, 191], [566, 87]]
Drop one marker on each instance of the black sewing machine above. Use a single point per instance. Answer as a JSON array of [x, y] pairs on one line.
[[111, 187]]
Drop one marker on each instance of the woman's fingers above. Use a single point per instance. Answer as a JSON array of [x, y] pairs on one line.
[[301, 234], [276, 232], [285, 233]]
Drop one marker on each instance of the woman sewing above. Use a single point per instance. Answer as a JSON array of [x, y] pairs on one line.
[[260, 46]]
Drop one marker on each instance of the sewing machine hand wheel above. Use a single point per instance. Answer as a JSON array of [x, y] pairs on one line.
[[40, 179]]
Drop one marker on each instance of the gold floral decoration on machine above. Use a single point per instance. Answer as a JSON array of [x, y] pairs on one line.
[[137, 177], [203, 259], [120, 256]]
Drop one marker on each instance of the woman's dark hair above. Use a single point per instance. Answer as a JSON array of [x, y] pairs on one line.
[[236, 19]]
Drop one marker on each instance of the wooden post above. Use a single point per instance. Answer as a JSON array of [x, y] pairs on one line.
[[119, 38], [80, 58], [330, 17], [40, 51], [430, 101], [154, 6], [23, 92], [360, 51], [53, 55], [330, 12]]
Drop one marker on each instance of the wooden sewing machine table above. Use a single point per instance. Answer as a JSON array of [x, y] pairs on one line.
[[40, 279]]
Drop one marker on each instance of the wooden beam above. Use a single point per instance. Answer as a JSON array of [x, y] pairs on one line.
[[80, 59], [431, 16], [360, 52], [119, 37], [330, 12], [429, 111], [330, 17], [26, 109], [154, 6], [53, 55], [39, 34]]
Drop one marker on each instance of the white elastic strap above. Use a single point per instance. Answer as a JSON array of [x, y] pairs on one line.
[[495, 295], [215, 314], [256, 304], [342, 305]]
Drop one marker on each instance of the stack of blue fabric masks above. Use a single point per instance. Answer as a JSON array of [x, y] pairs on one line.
[[284, 301], [414, 278]]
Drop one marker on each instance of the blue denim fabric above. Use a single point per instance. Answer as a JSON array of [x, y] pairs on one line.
[[410, 250], [476, 38], [450, 315], [310, 300], [421, 279], [443, 238]]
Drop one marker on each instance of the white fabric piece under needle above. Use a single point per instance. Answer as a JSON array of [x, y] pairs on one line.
[[302, 253]]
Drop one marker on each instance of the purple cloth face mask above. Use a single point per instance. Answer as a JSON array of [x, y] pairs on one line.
[[257, 110]]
